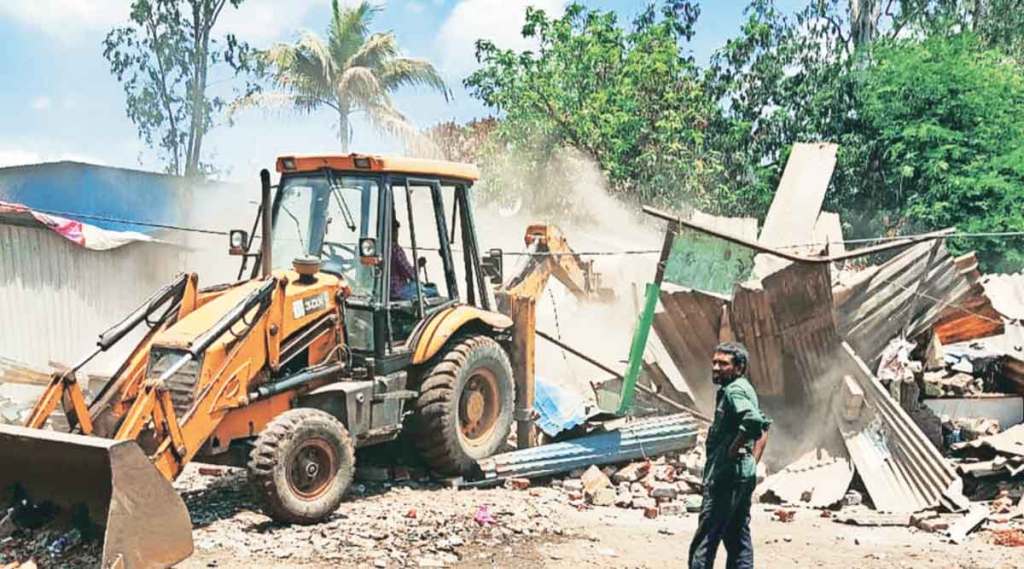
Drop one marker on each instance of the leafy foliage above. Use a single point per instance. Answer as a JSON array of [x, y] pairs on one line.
[[626, 98], [889, 102], [945, 118], [163, 58], [353, 71]]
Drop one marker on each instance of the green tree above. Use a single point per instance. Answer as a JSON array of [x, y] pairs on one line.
[[630, 99], [354, 71], [163, 58]]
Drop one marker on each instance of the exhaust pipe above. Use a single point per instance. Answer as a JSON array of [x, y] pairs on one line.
[[265, 261]]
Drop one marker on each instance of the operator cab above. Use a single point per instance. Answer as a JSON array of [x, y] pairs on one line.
[[399, 231]]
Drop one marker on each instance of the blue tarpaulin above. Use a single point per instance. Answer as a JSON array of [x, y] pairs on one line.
[[560, 409]]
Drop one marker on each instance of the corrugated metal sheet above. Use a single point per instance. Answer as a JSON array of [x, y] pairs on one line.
[[901, 470], [788, 326], [637, 440], [56, 297], [908, 292], [688, 327], [818, 479], [972, 317], [1007, 294], [753, 323], [1007, 348], [1008, 442]]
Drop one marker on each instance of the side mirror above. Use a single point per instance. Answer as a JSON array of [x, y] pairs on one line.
[[238, 241], [368, 254], [493, 266]]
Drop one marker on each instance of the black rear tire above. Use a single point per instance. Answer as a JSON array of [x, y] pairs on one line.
[[301, 466], [464, 410]]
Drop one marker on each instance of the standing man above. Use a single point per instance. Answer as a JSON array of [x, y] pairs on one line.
[[734, 446]]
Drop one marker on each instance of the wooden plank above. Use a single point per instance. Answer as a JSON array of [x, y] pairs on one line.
[[797, 203]]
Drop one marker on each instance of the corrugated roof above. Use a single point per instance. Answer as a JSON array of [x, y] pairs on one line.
[[972, 317], [900, 468], [1006, 293], [906, 293], [688, 327]]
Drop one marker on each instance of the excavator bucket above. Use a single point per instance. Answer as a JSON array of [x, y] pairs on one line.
[[130, 505]]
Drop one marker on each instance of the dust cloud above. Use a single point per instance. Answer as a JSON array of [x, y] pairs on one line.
[[575, 198]]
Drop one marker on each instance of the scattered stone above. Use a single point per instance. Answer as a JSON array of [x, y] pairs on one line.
[[624, 500], [651, 512], [673, 509], [604, 497], [632, 472], [664, 473], [853, 498], [593, 480], [211, 471], [664, 492], [644, 503], [693, 503], [517, 483], [573, 485], [930, 522], [1008, 537], [784, 516]]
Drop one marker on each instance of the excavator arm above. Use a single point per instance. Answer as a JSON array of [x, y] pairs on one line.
[[549, 256]]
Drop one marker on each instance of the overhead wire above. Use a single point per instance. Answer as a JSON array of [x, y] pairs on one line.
[[189, 229]]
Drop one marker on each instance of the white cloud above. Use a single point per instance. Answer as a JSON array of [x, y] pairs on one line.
[[415, 7], [500, 21], [18, 157], [66, 19], [41, 103], [261, 22], [256, 21]]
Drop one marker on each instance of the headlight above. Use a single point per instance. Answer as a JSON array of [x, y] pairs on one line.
[[182, 383], [368, 247]]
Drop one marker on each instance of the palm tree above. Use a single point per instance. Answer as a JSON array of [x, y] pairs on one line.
[[353, 71]]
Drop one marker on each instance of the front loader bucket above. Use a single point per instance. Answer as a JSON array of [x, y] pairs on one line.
[[142, 520]]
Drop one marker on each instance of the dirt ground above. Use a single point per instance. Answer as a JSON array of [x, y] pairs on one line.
[[540, 528]]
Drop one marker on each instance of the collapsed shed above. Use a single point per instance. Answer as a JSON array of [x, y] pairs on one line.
[[817, 332]]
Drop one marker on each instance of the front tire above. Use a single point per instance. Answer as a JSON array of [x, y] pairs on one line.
[[301, 466], [464, 410]]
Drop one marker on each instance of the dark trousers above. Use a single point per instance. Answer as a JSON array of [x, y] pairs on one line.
[[724, 518]]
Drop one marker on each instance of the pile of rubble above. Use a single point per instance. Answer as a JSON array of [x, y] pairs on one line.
[[50, 545], [669, 485], [399, 519]]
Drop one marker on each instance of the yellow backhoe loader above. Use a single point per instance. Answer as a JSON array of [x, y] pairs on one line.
[[332, 337]]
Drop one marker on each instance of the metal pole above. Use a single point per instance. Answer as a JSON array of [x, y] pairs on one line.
[[265, 261]]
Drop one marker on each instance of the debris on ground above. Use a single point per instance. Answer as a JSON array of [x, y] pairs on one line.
[[1008, 537], [382, 524], [784, 516]]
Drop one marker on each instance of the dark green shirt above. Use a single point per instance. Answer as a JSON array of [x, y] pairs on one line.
[[736, 411]]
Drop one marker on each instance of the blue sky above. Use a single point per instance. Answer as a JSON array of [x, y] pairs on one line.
[[61, 102]]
